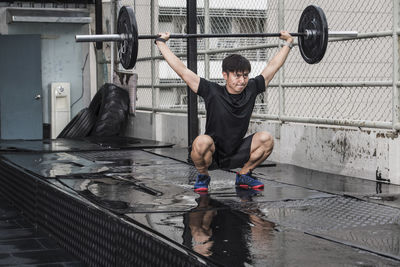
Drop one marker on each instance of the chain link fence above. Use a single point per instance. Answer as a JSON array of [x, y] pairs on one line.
[[353, 84]]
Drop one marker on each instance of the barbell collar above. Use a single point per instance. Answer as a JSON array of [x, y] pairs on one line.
[[101, 38], [345, 34], [310, 34]]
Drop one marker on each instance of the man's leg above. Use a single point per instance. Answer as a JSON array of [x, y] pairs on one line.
[[261, 147], [203, 149]]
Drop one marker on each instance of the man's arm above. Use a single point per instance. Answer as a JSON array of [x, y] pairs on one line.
[[277, 61], [190, 78]]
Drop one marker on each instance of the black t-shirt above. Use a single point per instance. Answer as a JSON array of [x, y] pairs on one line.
[[228, 115]]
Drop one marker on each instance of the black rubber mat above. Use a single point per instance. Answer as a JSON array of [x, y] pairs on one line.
[[80, 144]]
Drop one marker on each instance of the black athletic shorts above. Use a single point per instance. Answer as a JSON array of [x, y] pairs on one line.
[[235, 160]]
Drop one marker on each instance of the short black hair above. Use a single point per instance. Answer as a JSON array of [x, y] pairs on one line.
[[235, 63]]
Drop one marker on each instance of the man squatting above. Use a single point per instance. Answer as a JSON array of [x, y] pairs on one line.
[[228, 110]]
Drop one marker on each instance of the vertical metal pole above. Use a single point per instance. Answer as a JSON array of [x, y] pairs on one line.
[[281, 25], [207, 40], [153, 52], [99, 21], [112, 47], [193, 127], [263, 56], [396, 92], [99, 45], [155, 91]]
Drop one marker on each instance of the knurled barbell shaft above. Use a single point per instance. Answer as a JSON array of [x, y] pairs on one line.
[[121, 37], [217, 35]]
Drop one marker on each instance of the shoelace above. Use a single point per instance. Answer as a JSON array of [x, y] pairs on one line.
[[203, 179], [247, 178]]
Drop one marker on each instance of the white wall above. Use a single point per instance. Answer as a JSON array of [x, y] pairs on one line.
[[341, 150], [165, 127]]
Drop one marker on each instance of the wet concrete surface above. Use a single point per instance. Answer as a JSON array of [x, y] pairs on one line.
[[367, 190], [21, 244], [235, 237], [301, 218], [380, 192], [382, 239], [83, 144]]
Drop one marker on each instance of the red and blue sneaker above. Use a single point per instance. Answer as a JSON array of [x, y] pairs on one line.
[[202, 183], [246, 181]]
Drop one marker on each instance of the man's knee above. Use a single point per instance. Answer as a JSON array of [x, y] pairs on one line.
[[203, 143], [265, 140]]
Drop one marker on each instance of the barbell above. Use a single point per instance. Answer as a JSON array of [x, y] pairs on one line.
[[312, 35]]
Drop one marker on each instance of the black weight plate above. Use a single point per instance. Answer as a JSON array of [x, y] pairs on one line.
[[128, 48], [313, 49]]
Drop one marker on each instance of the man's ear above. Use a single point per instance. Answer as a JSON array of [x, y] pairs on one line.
[[225, 75]]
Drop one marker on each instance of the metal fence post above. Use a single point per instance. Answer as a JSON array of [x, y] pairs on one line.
[[207, 41], [152, 61], [193, 127], [114, 9], [155, 91], [99, 45], [396, 93], [281, 25]]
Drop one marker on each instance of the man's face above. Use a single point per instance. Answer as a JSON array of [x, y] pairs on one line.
[[236, 81]]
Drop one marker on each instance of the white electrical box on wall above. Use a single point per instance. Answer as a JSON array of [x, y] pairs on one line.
[[60, 107]]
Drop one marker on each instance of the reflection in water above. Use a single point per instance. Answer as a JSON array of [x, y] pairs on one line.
[[233, 237], [200, 226], [378, 187]]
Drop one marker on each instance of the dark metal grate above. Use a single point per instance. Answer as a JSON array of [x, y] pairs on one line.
[[85, 232], [143, 249], [20, 190], [96, 236]]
